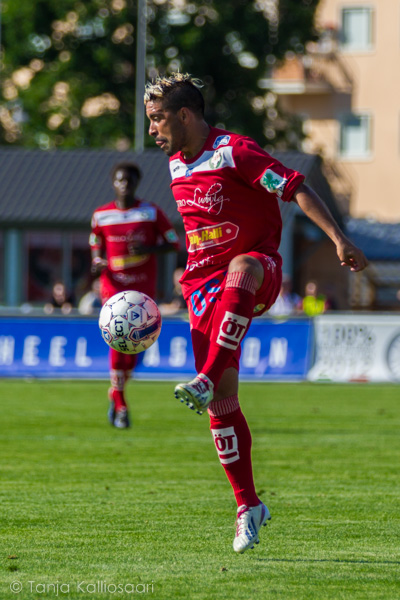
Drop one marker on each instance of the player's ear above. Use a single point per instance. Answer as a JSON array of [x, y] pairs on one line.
[[184, 114]]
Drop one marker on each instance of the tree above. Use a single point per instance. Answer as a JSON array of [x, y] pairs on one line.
[[70, 82]]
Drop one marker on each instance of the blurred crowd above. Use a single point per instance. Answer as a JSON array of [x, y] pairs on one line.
[[314, 302]]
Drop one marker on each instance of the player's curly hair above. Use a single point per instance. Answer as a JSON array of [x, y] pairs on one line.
[[126, 166], [176, 91]]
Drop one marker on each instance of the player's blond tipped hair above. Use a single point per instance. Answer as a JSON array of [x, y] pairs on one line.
[[176, 91]]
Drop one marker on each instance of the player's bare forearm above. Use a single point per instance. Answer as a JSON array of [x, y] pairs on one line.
[[316, 210]]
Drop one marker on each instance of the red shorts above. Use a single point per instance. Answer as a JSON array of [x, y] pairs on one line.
[[203, 303], [107, 289]]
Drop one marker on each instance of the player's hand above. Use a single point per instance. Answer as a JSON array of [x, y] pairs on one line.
[[351, 256], [98, 265]]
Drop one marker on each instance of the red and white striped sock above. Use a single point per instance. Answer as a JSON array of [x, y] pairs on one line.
[[121, 366], [231, 322], [117, 378]]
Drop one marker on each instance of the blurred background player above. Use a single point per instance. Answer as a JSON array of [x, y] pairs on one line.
[[126, 235], [227, 189]]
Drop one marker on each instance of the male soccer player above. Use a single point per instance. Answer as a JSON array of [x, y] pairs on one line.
[[126, 235], [227, 189]]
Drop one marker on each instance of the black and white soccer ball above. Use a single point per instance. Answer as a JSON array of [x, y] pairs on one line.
[[130, 322]]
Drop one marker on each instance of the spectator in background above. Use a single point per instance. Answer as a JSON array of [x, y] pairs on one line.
[[127, 233], [177, 303], [60, 299], [287, 302], [90, 303], [314, 303]]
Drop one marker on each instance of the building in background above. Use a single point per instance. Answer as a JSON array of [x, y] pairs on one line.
[[47, 199], [46, 203], [347, 89]]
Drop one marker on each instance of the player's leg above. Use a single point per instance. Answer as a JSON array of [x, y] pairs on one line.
[[121, 366], [230, 321], [234, 314], [232, 439]]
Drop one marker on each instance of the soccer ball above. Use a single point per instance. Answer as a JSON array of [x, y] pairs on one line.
[[130, 322]]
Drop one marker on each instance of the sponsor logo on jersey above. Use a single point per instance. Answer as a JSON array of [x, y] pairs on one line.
[[180, 169], [216, 160], [231, 330], [171, 236], [226, 443], [125, 279], [94, 240], [212, 201], [211, 236], [273, 183], [194, 264], [132, 215], [221, 140], [120, 263], [258, 307]]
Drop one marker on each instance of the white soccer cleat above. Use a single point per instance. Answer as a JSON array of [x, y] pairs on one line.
[[248, 524], [197, 394]]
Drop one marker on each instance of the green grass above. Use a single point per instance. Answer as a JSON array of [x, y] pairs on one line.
[[82, 502]]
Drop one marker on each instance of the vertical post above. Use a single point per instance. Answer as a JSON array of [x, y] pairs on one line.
[[286, 246], [140, 75], [13, 267], [66, 268]]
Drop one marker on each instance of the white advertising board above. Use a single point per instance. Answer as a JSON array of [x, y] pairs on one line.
[[356, 347]]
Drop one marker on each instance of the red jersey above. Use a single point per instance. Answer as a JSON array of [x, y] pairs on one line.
[[116, 232], [228, 198]]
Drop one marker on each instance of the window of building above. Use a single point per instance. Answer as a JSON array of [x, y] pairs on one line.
[[355, 136], [356, 29], [57, 256]]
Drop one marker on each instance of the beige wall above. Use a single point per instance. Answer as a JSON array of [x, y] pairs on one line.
[[376, 91]]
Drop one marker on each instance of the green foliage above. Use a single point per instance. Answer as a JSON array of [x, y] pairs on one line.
[[68, 77], [81, 501]]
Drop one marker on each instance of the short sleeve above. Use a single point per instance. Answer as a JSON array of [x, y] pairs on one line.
[[261, 170]]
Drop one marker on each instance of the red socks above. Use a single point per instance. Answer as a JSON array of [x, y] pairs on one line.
[[121, 366], [231, 322], [232, 440]]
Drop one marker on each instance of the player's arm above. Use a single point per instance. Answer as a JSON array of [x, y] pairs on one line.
[[167, 237], [99, 263], [312, 206]]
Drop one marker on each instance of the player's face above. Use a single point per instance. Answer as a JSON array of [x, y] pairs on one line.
[[125, 183], [166, 128]]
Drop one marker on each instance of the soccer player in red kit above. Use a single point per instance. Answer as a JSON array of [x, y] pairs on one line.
[[126, 236], [227, 189]]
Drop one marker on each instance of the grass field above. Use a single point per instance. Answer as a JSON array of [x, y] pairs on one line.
[[86, 508]]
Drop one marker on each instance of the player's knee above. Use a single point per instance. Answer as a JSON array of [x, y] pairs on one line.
[[244, 263]]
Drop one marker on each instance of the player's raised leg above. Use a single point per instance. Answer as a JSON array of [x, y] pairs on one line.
[[231, 321]]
